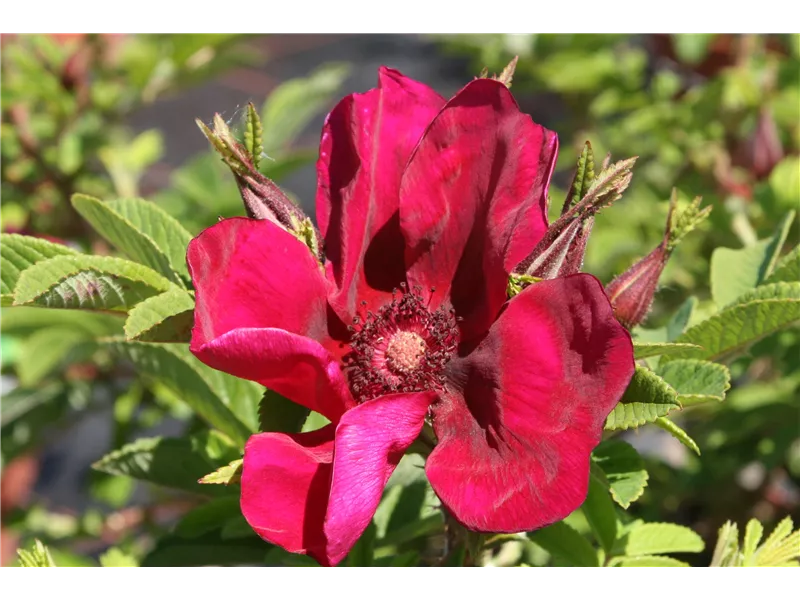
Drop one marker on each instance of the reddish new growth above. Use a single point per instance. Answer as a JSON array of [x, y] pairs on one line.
[[402, 348]]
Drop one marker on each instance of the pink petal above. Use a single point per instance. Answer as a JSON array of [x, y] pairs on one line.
[[316, 496], [366, 142], [295, 366], [285, 487], [528, 406], [473, 200], [370, 441], [250, 273]]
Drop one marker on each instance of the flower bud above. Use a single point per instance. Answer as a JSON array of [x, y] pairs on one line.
[[631, 294], [561, 250], [763, 150], [564, 254], [262, 198]]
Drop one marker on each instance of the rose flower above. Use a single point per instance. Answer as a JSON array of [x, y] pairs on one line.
[[425, 207]]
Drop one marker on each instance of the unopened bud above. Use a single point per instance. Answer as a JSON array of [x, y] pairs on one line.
[[262, 198], [631, 294], [561, 250], [564, 254], [764, 149]]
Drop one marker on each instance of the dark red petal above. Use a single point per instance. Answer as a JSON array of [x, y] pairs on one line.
[[250, 273], [285, 488], [295, 366], [315, 496], [473, 200], [528, 406], [366, 142]]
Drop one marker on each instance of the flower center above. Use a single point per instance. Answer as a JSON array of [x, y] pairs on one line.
[[405, 351], [401, 348]]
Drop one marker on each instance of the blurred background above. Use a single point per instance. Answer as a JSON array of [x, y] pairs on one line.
[[113, 116]]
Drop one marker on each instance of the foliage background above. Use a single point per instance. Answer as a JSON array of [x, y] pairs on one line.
[[113, 116]]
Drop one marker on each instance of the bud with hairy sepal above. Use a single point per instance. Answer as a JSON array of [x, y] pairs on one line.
[[262, 198], [631, 294], [564, 255], [561, 250]]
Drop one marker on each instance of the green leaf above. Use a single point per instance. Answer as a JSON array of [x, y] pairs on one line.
[[26, 414], [126, 159], [362, 554], [678, 433], [88, 282], [44, 351], [784, 182], [788, 268], [646, 398], [677, 324], [18, 252], [230, 473], [277, 556], [735, 272], [207, 517], [692, 47], [38, 556], [646, 350], [292, 105], [165, 231], [779, 534], [9, 349], [126, 224], [726, 552], [696, 381], [168, 317], [207, 550], [236, 527], [24, 321], [781, 548], [762, 312], [649, 561], [752, 535], [114, 557], [423, 527], [315, 421], [407, 500], [659, 538], [171, 462], [675, 327], [559, 539], [599, 511], [224, 401], [786, 555], [276, 413], [624, 470]]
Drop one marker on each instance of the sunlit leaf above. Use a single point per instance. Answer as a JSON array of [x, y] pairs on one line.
[[647, 398]]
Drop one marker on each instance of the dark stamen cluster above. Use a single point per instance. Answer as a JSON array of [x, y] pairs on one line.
[[401, 348]]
